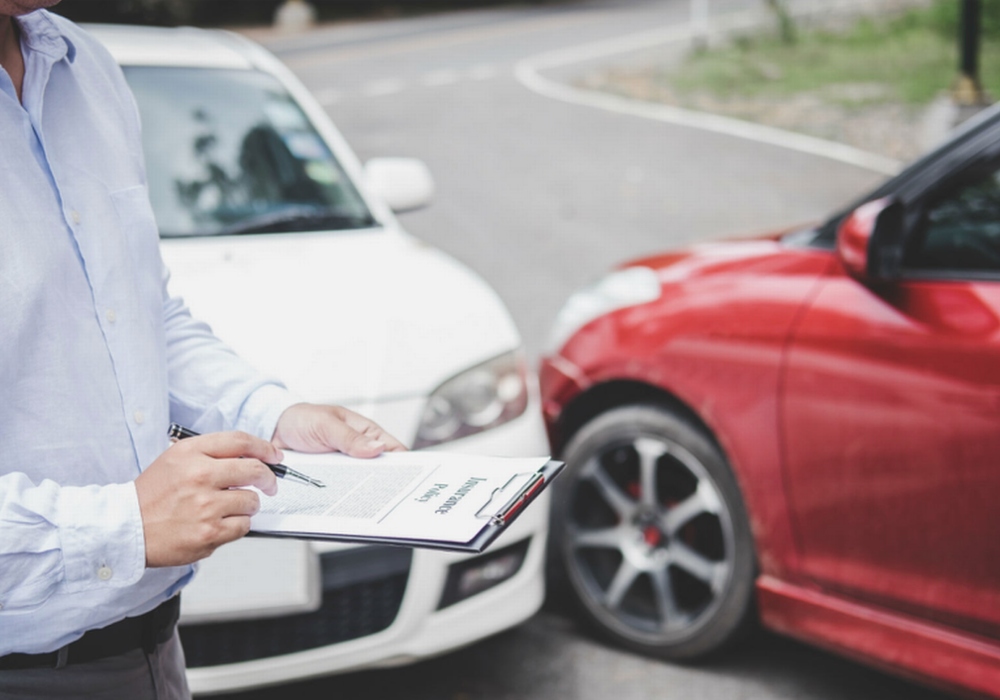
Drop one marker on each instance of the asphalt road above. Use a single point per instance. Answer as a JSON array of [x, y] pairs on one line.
[[540, 196], [550, 658]]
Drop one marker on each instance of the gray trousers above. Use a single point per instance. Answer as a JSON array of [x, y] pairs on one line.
[[132, 676]]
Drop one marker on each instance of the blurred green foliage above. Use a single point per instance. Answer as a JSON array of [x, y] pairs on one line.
[[911, 57], [944, 17], [786, 25]]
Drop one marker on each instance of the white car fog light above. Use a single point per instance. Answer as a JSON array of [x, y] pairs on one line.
[[472, 576]]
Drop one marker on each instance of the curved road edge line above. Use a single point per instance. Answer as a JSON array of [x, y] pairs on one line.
[[528, 73]]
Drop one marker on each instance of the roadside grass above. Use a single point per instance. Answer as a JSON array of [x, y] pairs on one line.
[[912, 58]]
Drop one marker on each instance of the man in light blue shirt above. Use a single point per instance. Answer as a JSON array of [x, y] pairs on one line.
[[99, 521]]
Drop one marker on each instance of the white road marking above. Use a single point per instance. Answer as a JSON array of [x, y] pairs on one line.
[[529, 73]]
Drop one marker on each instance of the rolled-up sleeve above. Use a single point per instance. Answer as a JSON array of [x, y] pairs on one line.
[[66, 539]]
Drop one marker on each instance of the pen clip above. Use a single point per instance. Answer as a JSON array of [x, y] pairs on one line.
[[177, 432]]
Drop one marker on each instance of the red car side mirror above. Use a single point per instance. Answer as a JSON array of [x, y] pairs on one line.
[[869, 240]]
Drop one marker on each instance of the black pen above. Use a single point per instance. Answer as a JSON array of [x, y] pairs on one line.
[[179, 432]]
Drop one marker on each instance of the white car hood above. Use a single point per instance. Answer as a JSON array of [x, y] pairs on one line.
[[344, 317]]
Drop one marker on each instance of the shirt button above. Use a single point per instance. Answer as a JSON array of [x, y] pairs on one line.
[[104, 573], [75, 215], [140, 417], [111, 316]]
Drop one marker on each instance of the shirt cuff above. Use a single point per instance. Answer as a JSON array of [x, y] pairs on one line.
[[100, 528], [262, 409]]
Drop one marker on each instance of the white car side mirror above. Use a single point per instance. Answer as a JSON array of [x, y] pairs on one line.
[[403, 184]]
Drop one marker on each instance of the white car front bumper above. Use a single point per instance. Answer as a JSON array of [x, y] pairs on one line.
[[420, 628]]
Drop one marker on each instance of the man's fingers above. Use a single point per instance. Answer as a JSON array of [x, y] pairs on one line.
[[353, 442], [367, 435], [235, 444], [230, 473], [392, 444], [233, 528], [373, 433], [370, 428], [193, 498], [240, 502], [320, 428]]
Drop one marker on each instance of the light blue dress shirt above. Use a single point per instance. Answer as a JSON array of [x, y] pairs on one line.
[[96, 358]]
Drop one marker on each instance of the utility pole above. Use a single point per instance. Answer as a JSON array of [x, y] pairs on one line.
[[967, 90]]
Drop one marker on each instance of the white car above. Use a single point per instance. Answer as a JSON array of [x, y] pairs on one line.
[[287, 246]]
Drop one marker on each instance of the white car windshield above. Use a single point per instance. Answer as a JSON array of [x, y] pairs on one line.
[[230, 152]]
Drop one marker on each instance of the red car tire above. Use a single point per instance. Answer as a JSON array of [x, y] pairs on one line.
[[652, 535]]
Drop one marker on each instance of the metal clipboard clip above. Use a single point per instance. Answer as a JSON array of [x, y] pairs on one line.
[[505, 514]]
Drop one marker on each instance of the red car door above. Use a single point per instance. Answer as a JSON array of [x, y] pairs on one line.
[[891, 421]]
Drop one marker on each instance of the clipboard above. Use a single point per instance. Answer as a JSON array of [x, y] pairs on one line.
[[500, 519], [482, 514]]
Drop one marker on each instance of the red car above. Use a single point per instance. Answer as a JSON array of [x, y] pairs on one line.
[[802, 429]]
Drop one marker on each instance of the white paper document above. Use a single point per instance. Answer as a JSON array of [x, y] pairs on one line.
[[435, 499]]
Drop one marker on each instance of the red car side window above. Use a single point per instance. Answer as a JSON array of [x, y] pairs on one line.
[[960, 231]]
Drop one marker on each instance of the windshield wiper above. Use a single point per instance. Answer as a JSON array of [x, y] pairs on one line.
[[297, 219]]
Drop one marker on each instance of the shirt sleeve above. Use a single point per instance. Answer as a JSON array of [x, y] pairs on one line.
[[69, 539], [211, 387]]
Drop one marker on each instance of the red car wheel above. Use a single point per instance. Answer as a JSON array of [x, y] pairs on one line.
[[652, 534]]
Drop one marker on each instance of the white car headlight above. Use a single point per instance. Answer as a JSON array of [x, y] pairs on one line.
[[478, 399], [618, 290]]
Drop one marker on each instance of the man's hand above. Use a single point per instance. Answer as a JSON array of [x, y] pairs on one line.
[[186, 497], [308, 427]]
